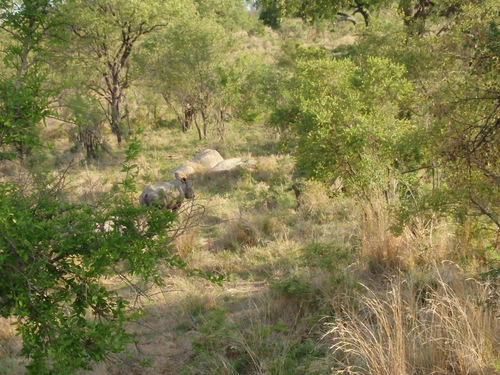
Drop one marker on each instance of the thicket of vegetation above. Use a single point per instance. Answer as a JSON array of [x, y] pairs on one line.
[[385, 117]]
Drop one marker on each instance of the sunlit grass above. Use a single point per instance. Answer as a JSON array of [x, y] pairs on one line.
[[429, 329]]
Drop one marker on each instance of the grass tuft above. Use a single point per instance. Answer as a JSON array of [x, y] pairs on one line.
[[392, 333]]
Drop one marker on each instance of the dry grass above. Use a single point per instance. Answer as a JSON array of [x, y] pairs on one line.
[[446, 331], [314, 201], [427, 242], [187, 241], [239, 234], [274, 259]]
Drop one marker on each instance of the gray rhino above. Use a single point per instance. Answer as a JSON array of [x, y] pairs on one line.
[[208, 158], [227, 165], [168, 195]]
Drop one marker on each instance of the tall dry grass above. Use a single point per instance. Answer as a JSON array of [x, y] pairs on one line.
[[425, 243], [434, 330]]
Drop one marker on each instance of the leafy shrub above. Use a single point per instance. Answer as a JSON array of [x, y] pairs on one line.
[[53, 255], [327, 256], [298, 290]]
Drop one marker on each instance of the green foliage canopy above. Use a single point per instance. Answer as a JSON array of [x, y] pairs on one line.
[[345, 120], [188, 58], [27, 29], [468, 111], [272, 12]]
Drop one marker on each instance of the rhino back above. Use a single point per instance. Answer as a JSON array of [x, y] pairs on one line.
[[208, 158]]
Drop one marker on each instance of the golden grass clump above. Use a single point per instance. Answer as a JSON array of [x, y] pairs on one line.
[[426, 242], [434, 330], [239, 233], [187, 241], [272, 167], [315, 202], [379, 246], [273, 225], [267, 163]]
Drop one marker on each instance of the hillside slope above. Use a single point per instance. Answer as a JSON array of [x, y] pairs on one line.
[[316, 284]]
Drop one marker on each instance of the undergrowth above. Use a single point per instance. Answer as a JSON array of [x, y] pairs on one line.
[[315, 286]]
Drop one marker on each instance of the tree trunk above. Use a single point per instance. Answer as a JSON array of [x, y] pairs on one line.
[[204, 116], [198, 128], [189, 113], [115, 119], [116, 97]]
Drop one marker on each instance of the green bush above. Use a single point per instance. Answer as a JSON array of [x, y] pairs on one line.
[[53, 255], [327, 256]]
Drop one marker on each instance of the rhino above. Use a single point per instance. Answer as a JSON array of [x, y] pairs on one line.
[[208, 158], [187, 169], [227, 165], [168, 195]]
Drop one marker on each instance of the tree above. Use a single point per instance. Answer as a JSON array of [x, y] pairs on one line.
[[343, 120], [231, 14], [88, 120], [27, 27], [467, 113], [414, 13], [417, 14], [185, 63], [273, 11], [455, 75], [53, 256], [107, 34], [247, 85]]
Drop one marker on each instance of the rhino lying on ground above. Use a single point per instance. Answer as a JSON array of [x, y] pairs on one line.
[[208, 158], [168, 195], [227, 165]]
